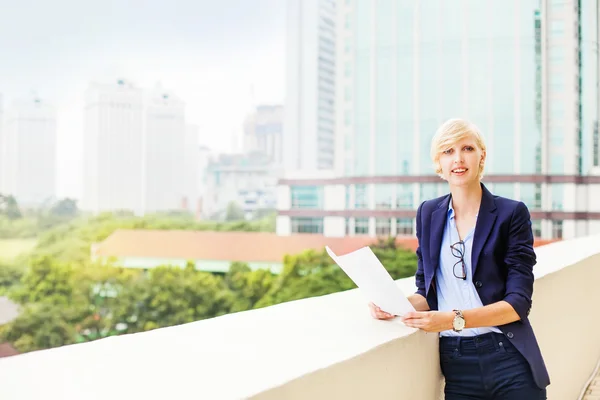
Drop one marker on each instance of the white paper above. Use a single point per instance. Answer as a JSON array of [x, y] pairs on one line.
[[367, 272]]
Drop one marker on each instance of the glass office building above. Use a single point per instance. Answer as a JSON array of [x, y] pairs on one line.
[[524, 71]]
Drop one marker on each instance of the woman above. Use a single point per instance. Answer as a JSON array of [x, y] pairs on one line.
[[475, 278]]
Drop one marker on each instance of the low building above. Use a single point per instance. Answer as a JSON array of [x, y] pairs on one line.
[[215, 251]]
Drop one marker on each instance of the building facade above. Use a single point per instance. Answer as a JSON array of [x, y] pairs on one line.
[[263, 131], [29, 152], [113, 148], [164, 152], [309, 114], [528, 77], [248, 180]]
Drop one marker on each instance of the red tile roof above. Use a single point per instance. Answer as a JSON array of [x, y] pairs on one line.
[[229, 246], [226, 246]]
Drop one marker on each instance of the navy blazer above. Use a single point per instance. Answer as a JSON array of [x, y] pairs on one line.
[[502, 262]]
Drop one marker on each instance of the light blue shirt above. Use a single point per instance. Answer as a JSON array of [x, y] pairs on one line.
[[454, 293]]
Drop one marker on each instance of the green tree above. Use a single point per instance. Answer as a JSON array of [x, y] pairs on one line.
[[9, 207], [171, 296], [65, 208], [10, 276], [46, 281], [248, 287], [40, 326]]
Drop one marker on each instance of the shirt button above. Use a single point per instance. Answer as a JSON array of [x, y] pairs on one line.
[[478, 284], [510, 335]]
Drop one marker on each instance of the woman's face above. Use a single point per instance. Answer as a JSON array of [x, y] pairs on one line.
[[462, 162]]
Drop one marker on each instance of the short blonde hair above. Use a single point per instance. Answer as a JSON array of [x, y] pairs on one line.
[[451, 132]]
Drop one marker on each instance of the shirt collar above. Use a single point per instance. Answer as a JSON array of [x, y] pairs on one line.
[[451, 210]]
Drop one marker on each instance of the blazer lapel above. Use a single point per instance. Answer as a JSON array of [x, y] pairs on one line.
[[438, 220], [484, 226]]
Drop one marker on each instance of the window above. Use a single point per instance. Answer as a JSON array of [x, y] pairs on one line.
[[360, 197], [557, 82], [536, 226], [557, 28], [556, 55], [307, 197], [404, 226], [383, 227], [557, 229], [307, 225], [361, 226]]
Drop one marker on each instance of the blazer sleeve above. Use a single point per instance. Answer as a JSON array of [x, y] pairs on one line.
[[520, 259], [420, 274]]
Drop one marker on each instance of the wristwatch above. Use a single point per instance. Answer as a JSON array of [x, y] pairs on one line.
[[458, 324]]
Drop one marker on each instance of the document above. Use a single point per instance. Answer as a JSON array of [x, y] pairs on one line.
[[367, 272]]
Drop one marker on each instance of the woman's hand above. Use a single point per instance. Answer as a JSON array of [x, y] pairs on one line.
[[429, 321], [378, 313]]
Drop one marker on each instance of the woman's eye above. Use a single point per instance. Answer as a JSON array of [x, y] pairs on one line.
[[448, 151], [469, 148]]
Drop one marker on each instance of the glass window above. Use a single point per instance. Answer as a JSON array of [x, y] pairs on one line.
[[404, 196], [307, 197], [361, 226], [557, 82], [307, 225], [557, 196], [557, 229], [536, 227], [404, 226], [383, 227], [384, 196], [557, 28], [556, 55], [360, 197]]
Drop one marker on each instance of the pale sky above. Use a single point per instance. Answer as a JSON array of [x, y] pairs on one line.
[[208, 52]]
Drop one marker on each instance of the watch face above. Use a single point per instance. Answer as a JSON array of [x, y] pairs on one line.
[[459, 323]]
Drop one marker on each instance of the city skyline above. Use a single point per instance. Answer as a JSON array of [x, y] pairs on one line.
[[220, 58]]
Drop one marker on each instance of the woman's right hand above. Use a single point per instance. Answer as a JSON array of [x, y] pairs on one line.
[[378, 313]]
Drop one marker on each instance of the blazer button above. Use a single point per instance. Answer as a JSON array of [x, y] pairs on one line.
[[510, 335], [478, 284]]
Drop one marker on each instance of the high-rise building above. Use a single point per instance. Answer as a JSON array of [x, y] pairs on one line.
[[164, 152], [309, 116], [191, 190], [113, 148], [525, 72], [29, 152], [263, 132]]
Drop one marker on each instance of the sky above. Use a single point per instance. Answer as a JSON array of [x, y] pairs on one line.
[[220, 57]]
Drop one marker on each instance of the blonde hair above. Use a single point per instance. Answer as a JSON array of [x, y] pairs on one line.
[[449, 133]]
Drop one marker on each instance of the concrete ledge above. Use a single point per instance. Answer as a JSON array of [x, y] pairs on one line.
[[324, 347]]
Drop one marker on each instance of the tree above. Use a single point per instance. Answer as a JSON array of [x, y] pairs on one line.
[[46, 281], [9, 207], [234, 212], [170, 296], [40, 326], [65, 208], [248, 287], [313, 273], [10, 276]]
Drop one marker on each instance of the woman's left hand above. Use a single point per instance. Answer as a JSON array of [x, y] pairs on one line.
[[429, 321]]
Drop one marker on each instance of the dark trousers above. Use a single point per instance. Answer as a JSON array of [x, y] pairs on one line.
[[486, 367]]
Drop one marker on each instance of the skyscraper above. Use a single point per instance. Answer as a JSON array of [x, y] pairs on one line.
[[309, 114], [113, 148], [164, 152], [29, 152], [526, 72], [263, 131]]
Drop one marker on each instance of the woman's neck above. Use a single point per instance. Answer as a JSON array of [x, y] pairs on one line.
[[466, 199]]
